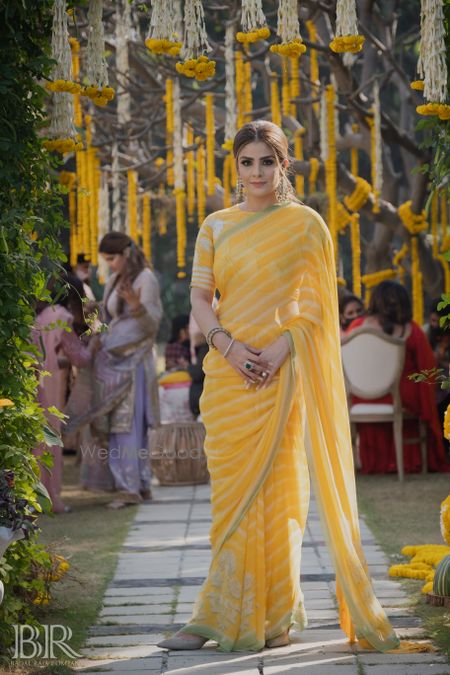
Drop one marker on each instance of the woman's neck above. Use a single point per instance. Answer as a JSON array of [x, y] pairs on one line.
[[259, 203]]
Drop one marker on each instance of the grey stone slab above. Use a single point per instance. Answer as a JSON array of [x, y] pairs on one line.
[[135, 610], [149, 665], [413, 669], [425, 659], [137, 600], [122, 652], [146, 639], [150, 582], [138, 590], [131, 629], [136, 619]]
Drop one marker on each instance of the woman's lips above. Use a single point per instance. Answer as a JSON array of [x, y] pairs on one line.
[[258, 184]]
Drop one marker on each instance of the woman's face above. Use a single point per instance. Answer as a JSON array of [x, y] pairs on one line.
[[259, 169], [115, 261], [352, 311]]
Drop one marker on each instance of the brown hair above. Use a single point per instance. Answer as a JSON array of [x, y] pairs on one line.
[[391, 304], [114, 243], [271, 134]]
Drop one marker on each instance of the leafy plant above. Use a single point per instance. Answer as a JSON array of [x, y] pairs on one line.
[[15, 513]]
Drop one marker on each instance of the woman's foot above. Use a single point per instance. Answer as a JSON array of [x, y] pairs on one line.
[[182, 641], [281, 640]]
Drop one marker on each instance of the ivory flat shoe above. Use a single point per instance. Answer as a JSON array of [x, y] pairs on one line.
[[281, 640], [179, 643]]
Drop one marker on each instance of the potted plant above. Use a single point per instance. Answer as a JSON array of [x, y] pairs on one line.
[[16, 517]]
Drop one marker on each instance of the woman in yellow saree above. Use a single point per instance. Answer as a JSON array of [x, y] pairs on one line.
[[274, 407]]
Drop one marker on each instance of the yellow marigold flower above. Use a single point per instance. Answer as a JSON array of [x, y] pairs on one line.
[[418, 85], [5, 403], [445, 506], [159, 161], [347, 43], [42, 598]]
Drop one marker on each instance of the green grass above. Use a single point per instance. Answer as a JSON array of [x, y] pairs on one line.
[[408, 513], [90, 538]]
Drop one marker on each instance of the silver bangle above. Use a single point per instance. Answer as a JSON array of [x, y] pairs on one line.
[[232, 341]]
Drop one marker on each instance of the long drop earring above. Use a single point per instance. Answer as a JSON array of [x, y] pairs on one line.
[[239, 191]]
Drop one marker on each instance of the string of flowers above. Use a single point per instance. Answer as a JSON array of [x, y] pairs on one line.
[[190, 172], [253, 23], [424, 558], [248, 99], [168, 98], [179, 191], [97, 70], [240, 79], [210, 144], [162, 33], [275, 100], [313, 65], [82, 204], [201, 179], [414, 222], [162, 214], [374, 278], [376, 149], [416, 274], [195, 63], [314, 166], [343, 217], [226, 180], [397, 260], [103, 222], [445, 511], [288, 30], [354, 153], [356, 253], [90, 184], [347, 38], [132, 204], [116, 196], [285, 89], [147, 226], [230, 87], [62, 133], [356, 200], [294, 84], [75, 50], [432, 63], [298, 152]]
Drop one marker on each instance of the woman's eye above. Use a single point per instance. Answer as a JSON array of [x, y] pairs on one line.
[[268, 162], [246, 162]]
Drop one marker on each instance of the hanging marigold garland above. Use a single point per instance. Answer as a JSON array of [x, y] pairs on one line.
[[210, 144], [201, 180], [314, 166], [78, 112], [147, 226], [347, 38], [356, 200], [97, 70], [288, 30], [294, 84], [285, 89], [313, 65], [356, 253], [414, 223], [328, 154], [168, 98], [275, 100], [240, 80], [432, 63], [132, 204], [83, 235], [93, 186], [179, 191], [162, 214], [298, 151], [248, 98], [162, 33], [190, 172], [62, 133], [354, 153], [195, 63], [374, 278], [397, 261], [253, 23]]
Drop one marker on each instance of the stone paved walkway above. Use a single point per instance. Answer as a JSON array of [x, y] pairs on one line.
[[162, 565]]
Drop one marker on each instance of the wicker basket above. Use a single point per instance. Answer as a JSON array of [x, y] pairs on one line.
[[438, 600], [177, 454]]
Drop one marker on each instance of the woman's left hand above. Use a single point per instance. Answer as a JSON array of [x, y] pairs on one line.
[[274, 355], [131, 296]]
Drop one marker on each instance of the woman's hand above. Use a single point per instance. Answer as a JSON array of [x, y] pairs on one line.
[[131, 296], [239, 354], [274, 356]]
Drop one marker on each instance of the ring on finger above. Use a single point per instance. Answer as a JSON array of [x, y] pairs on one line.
[[264, 374], [248, 365]]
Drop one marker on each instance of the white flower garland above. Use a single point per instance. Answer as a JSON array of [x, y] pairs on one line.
[[195, 41], [178, 19], [97, 69], [123, 31], [177, 138], [432, 65], [323, 128], [62, 117], [230, 85], [162, 22], [116, 192], [346, 18], [103, 221], [288, 27], [378, 168], [252, 15]]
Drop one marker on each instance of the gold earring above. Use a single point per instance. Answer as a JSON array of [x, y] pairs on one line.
[[239, 195]]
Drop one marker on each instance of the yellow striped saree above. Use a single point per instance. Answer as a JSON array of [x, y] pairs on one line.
[[275, 273]]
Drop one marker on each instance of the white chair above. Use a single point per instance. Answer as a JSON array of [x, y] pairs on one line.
[[373, 363]]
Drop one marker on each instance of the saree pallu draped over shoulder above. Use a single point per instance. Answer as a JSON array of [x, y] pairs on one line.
[[275, 273]]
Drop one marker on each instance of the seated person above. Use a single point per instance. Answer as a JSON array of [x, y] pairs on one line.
[[350, 307]]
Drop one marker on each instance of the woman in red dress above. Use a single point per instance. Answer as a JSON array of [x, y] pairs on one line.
[[390, 312]]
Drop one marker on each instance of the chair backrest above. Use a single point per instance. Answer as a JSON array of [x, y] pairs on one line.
[[373, 362]]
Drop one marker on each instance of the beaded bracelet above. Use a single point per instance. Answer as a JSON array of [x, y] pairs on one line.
[[212, 332]]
